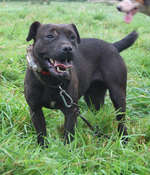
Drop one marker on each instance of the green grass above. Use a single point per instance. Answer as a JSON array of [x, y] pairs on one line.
[[87, 154]]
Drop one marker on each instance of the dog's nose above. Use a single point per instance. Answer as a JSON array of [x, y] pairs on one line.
[[67, 49], [119, 8]]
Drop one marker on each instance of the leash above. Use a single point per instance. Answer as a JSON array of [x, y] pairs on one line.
[[63, 95]]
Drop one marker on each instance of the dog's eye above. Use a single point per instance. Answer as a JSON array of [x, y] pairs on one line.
[[50, 36]]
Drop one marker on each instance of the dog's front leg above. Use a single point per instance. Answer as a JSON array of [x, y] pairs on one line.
[[69, 125], [39, 124]]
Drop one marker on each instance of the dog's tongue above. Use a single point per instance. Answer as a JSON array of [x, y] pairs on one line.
[[57, 64], [128, 18]]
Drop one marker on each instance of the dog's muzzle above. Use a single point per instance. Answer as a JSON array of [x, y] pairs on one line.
[[59, 67]]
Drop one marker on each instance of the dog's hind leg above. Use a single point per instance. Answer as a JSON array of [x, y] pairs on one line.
[[95, 95], [118, 97], [39, 124]]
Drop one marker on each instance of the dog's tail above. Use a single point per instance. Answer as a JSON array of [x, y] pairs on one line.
[[126, 42]]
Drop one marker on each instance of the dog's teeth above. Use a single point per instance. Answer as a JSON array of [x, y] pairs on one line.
[[51, 60], [58, 69], [68, 68]]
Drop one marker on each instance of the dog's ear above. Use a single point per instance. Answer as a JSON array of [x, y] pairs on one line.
[[33, 30], [77, 33]]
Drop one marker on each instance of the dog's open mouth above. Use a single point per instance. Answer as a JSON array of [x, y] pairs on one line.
[[129, 15], [51, 67], [58, 66]]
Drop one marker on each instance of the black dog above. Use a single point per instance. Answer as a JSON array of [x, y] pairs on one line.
[[70, 67]]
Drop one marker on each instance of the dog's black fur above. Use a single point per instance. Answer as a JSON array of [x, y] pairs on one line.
[[96, 67]]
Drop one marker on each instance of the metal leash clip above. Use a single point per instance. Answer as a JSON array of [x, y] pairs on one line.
[[63, 93]]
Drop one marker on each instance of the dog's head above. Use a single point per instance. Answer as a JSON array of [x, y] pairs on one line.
[[54, 46], [131, 7]]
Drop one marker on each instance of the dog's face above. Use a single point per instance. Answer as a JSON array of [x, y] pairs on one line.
[[54, 46], [130, 7]]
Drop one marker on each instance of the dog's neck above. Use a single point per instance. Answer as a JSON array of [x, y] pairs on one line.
[[31, 61]]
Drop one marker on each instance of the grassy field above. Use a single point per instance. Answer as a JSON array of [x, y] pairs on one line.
[[87, 154]]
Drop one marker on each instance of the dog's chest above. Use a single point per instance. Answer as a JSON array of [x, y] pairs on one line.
[[51, 98]]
